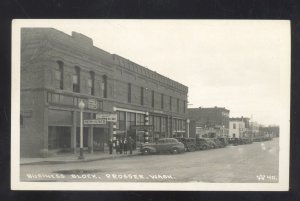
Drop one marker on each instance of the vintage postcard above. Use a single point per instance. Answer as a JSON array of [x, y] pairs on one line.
[[185, 105]]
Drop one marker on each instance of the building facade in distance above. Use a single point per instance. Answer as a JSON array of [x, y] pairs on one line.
[[211, 122], [240, 127], [58, 71]]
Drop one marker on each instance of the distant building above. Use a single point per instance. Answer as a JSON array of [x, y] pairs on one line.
[[269, 131], [239, 127], [211, 122], [58, 71], [254, 129]]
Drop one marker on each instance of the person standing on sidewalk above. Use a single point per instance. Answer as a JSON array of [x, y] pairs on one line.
[[117, 145], [125, 145], [130, 144], [121, 146]]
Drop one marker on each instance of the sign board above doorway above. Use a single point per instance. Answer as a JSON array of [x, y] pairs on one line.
[[108, 116], [94, 121]]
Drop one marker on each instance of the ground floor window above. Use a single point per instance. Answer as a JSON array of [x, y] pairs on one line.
[[100, 137], [59, 137]]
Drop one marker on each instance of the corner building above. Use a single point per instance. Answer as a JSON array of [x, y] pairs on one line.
[[58, 71]]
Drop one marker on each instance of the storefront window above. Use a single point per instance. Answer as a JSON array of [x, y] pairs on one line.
[[121, 120], [130, 120], [150, 120], [163, 124], [157, 124], [140, 119], [174, 125], [59, 137]]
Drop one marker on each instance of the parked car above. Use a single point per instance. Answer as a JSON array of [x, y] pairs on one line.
[[203, 144], [212, 144], [163, 145], [189, 143], [234, 141], [218, 143], [223, 141]]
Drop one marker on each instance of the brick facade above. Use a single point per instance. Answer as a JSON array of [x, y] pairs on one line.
[[216, 118], [55, 65]]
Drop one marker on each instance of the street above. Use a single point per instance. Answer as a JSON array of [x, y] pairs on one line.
[[250, 163]]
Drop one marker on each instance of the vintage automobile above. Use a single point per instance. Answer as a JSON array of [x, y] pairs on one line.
[[217, 143], [189, 143], [163, 145], [203, 144], [223, 141]]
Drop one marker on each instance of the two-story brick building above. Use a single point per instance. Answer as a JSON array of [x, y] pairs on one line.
[[58, 71], [210, 120]]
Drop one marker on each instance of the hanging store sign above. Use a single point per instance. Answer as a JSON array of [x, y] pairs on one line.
[[92, 104], [158, 111], [107, 116], [94, 121]]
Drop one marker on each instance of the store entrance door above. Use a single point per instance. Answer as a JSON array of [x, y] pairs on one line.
[[133, 135], [140, 138], [100, 137]]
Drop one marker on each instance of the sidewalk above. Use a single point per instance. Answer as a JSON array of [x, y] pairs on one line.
[[73, 158]]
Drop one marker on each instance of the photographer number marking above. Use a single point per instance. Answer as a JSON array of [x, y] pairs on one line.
[[263, 177]]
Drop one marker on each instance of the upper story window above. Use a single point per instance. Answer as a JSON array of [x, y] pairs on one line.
[[162, 101], [104, 86], [91, 83], [129, 92], [152, 98], [177, 104], [234, 126], [170, 104], [76, 80], [184, 106], [59, 75], [142, 95]]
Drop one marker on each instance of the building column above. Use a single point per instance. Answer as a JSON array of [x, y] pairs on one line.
[[73, 132], [45, 128], [112, 130], [171, 127], [91, 139]]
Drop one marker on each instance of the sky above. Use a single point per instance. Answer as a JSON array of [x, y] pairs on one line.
[[233, 64]]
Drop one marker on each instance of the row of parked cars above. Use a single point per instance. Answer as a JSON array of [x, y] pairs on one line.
[[178, 145]]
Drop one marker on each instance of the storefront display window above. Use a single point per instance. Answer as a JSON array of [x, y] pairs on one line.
[[121, 120], [156, 124], [59, 137]]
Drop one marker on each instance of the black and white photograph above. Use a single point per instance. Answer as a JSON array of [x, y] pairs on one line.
[[187, 105]]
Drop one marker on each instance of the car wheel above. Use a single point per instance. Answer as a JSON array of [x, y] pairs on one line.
[[175, 151], [146, 151]]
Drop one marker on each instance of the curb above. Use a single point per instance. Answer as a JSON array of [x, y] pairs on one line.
[[54, 162]]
